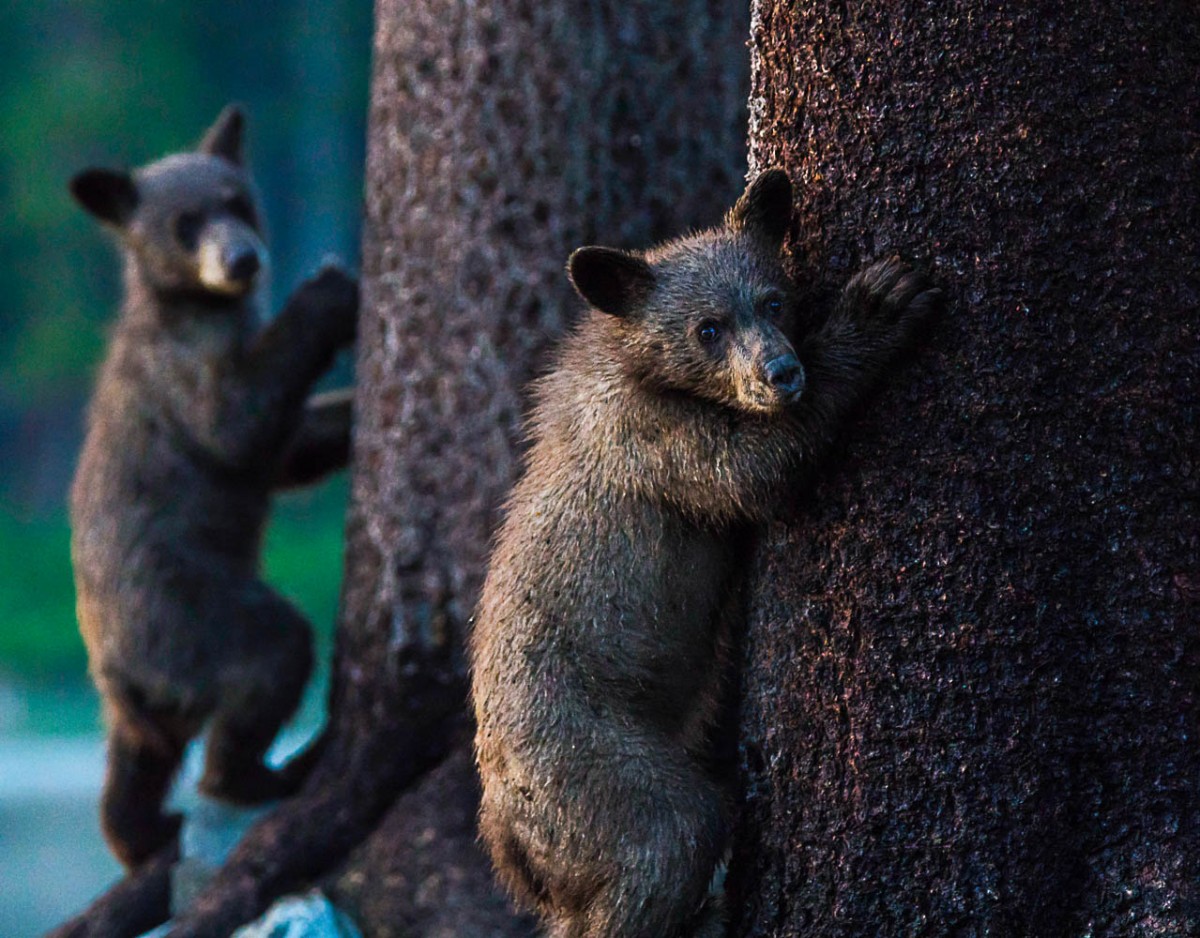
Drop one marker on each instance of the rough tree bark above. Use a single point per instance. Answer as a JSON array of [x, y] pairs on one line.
[[501, 136], [973, 673]]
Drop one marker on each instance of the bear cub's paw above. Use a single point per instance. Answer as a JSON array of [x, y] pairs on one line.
[[892, 300], [334, 293]]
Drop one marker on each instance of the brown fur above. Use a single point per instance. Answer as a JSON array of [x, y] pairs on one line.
[[597, 654], [198, 413]]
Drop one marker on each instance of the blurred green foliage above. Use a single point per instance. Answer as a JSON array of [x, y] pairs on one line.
[[121, 82], [39, 636]]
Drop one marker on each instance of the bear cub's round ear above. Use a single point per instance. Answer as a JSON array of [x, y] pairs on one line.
[[108, 194], [612, 281], [224, 137], [765, 208]]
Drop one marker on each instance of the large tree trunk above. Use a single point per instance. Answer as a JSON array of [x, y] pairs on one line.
[[501, 136], [971, 700]]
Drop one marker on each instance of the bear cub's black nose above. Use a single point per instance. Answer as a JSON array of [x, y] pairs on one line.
[[243, 264], [785, 375]]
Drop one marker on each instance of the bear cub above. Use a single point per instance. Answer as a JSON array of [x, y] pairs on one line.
[[679, 412], [199, 413]]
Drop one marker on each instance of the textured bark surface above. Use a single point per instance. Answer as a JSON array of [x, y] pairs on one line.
[[421, 872], [501, 136], [973, 681]]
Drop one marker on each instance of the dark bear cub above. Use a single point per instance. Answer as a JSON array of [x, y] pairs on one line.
[[678, 412], [198, 414]]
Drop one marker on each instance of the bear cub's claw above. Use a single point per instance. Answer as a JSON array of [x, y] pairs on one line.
[[893, 299]]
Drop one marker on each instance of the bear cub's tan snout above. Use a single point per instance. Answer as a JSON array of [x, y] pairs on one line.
[[230, 256]]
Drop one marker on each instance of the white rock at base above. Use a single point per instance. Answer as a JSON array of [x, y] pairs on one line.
[[310, 915]]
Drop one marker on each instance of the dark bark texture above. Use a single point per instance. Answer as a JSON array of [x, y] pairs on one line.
[[421, 873], [973, 667], [502, 135]]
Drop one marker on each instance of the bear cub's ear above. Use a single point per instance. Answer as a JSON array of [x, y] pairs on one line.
[[765, 208], [224, 137], [612, 281], [108, 194]]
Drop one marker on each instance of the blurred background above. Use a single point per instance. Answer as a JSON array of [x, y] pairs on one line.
[[119, 83]]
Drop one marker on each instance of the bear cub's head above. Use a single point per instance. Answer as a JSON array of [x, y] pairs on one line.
[[190, 221], [708, 314]]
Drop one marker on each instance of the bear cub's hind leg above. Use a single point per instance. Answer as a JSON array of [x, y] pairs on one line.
[[143, 758], [262, 696]]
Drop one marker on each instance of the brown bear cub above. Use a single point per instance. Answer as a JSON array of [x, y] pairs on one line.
[[198, 414], [678, 412]]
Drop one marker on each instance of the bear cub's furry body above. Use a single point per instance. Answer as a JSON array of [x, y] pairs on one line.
[[678, 412], [198, 414]]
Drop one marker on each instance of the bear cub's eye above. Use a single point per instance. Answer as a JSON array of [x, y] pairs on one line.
[[710, 331], [187, 228], [772, 305], [240, 207]]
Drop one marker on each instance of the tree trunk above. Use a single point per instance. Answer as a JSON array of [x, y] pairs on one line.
[[973, 667], [501, 136]]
